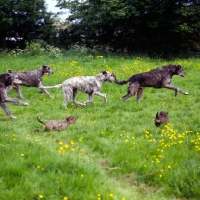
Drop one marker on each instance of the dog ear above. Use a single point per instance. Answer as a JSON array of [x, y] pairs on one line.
[[44, 66], [157, 115], [178, 66], [113, 75], [67, 118], [9, 75], [104, 72]]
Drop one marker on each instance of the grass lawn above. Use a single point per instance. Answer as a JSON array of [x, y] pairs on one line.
[[113, 151]]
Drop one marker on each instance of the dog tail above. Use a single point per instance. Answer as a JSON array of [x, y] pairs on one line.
[[122, 82], [40, 120], [50, 87]]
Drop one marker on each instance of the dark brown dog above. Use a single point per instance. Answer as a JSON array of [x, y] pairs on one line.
[[161, 118], [58, 125], [6, 80], [158, 78], [32, 79]]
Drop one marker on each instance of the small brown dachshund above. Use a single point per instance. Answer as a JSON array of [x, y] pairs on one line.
[[161, 118], [58, 125]]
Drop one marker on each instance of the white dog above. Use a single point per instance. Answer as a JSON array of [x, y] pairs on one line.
[[87, 84]]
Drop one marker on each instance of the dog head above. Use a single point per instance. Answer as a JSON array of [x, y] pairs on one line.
[[46, 70], [70, 120], [16, 80], [11, 79], [110, 77], [180, 71], [161, 118]]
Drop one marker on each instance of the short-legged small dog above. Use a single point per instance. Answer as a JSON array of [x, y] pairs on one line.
[[158, 78], [32, 79], [87, 84], [58, 125], [6, 80], [161, 118]]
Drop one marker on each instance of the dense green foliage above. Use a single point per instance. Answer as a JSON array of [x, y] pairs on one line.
[[159, 28], [114, 151], [167, 28], [24, 19]]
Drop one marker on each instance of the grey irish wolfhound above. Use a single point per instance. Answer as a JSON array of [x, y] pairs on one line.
[[32, 79], [158, 78], [87, 84], [6, 80]]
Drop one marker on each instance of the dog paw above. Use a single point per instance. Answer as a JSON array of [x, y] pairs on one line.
[[186, 93], [25, 104], [12, 117]]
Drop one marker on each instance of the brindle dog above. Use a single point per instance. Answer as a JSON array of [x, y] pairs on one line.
[[158, 78], [6, 80], [87, 84], [58, 125], [161, 118], [32, 79]]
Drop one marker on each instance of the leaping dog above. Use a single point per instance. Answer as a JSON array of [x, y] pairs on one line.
[[158, 78], [32, 79], [87, 84], [6, 80]]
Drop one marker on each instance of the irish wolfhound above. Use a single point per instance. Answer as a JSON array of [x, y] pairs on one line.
[[88, 84], [7, 80], [32, 79], [161, 118], [158, 78], [58, 125]]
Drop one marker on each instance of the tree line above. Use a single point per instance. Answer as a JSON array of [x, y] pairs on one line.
[[154, 27]]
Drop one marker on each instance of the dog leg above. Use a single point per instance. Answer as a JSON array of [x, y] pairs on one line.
[[131, 92], [15, 101], [67, 93], [46, 92], [74, 98], [42, 90], [139, 94], [5, 108], [101, 95], [17, 88], [90, 99], [127, 96], [175, 89], [8, 89]]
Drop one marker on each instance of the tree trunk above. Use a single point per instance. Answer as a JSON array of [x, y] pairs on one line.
[[2, 40]]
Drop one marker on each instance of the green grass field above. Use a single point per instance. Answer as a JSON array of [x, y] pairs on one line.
[[113, 151]]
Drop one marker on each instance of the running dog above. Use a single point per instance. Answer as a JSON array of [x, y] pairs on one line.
[[32, 79], [161, 118], [7, 80], [158, 78], [87, 84], [56, 124]]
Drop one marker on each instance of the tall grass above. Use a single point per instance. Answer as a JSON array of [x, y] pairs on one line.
[[114, 150]]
